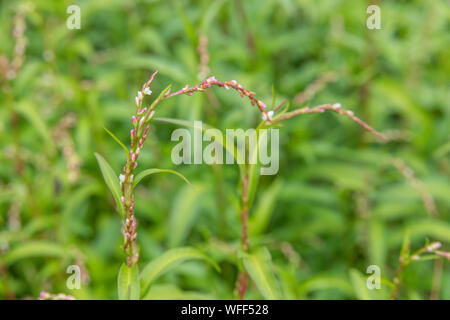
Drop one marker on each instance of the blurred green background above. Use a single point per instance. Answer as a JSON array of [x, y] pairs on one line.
[[341, 200]]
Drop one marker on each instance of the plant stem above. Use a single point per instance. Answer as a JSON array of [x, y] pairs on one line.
[[405, 259], [139, 134], [242, 279], [244, 214], [397, 279]]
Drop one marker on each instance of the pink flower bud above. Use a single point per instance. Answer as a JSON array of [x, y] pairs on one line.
[[443, 254], [262, 105]]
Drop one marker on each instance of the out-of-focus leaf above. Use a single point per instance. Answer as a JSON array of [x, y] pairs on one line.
[[183, 213], [323, 282], [260, 218], [210, 14], [128, 287], [259, 267], [148, 172], [171, 292], [34, 248], [168, 261], [377, 250], [31, 114], [118, 141], [164, 66], [111, 180], [359, 285]]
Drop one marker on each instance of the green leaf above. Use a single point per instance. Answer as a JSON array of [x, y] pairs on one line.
[[171, 292], [210, 14], [168, 67], [359, 285], [261, 217], [274, 96], [188, 26], [183, 213], [118, 141], [26, 109], [324, 282], [111, 180], [436, 229], [128, 283], [36, 249], [148, 172], [406, 244], [376, 244], [259, 267], [161, 95], [167, 261]]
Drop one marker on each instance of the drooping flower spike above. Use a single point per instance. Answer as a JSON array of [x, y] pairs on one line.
[[141, 127]]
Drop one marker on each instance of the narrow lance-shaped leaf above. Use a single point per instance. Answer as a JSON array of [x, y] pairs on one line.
[[263, 210], [118, 141], [111, 180], [128, 287], [148, 172], [259, 267], [359, 285], [32, 249], [167, 261], [186, 207]]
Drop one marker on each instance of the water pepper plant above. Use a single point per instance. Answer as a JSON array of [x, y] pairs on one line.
[[133, 284]]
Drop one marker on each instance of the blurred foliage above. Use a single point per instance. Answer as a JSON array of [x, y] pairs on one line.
[[338, 203]]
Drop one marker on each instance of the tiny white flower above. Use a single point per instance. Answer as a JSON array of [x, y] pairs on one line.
[[121, 178], [267, 116], [140, 95], [147, 91], [434, 246]]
